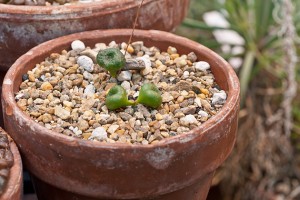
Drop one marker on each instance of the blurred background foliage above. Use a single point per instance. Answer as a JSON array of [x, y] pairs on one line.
[[265, 163]]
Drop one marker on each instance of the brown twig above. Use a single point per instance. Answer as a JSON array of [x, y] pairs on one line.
[[134, 25]]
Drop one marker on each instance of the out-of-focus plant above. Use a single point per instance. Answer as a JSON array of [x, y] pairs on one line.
[[253, 20], [268, 76]]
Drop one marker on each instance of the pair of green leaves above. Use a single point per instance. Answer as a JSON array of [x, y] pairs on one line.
[[112, 59], [149, 95]]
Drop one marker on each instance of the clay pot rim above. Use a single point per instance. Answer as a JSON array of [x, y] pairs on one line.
[[232, 93], [15, 180], [53, 12]]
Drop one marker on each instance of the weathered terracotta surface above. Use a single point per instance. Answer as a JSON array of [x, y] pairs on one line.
[[14, 187], [120, 171], [23, 27]]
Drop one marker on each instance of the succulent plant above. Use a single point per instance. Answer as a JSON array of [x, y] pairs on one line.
[[149, 96], [117, 98], [112, 59]]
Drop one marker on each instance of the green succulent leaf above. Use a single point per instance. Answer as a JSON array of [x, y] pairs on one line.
[[112, 59], [117, 98], [150, 96]]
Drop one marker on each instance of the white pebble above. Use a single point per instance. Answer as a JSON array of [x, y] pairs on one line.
[[146, 60], [104, 116], [136, 94], [89, 90], [188, 119], [112, 129], [124, 76], [202, 113], [86, 62], [202, 66], [198, 101], [77, 45], [126, 85], [112, 44], [219, 97], [76, 131], [186, 74], [99, 47], [99, 133]]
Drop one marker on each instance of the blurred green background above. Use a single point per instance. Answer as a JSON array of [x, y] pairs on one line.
[[260, 39]]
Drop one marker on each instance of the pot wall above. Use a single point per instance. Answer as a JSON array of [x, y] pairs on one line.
[[123, 171], [23, 27], [14, 186]]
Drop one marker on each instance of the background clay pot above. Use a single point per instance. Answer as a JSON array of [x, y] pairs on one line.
[[23, 27], [14, 187], [179, 167]]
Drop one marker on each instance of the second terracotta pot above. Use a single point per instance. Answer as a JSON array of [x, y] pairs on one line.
[[23, 27], [179, 167]]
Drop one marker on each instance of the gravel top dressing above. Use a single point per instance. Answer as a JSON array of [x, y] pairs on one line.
[[67, 92]]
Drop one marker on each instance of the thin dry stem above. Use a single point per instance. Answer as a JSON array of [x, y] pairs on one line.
[[134, 25]]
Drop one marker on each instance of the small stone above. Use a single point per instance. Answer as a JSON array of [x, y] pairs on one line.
[[188, 110], [186, 74], [31, 77], [166, 97], [162, 68], [112, 129], [188, 120], [182, 63], [202, 96], [146, 71], [83, 125], [146, 60], [180, 99], [77, 45], [88, 76], [89, 90], [46, 86], [198, 102], [99, 133], [88, 115], [125, 116], [158, 116], [204, 91], [86, 62], [124, 76], [219, 98], [192, 57], [165, 134], [132, 122], [113, 44], [171, 50], [184, 93], [90, 53], [145, 142], [126, 85], [202, 113], [202, 66], [138, 115], [61, 112], [22, 103]]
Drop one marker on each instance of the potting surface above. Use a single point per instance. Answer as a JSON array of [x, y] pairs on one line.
[[66, 93]]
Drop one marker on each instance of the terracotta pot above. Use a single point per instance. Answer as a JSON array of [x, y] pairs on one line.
[[14, 186], [23, 27], [179, 167]]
